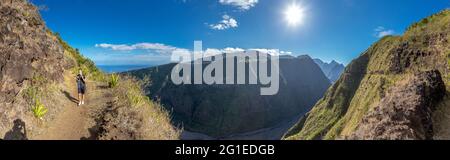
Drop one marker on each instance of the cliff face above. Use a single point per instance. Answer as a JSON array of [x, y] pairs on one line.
[[29, 55], [27, 49], [223, 110], [370, 91]]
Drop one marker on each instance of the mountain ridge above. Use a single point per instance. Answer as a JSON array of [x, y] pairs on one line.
[[332, 70], [365, 81], [221, 110]]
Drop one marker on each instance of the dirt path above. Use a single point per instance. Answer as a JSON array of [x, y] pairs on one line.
[[77, 122]]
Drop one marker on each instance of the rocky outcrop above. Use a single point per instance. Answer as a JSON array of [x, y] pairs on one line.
[[29, 55], [27, 51], [406, 111]]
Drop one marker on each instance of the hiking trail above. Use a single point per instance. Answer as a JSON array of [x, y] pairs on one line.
[[77, 122]]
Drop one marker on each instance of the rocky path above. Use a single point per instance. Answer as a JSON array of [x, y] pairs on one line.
[[77, 122]]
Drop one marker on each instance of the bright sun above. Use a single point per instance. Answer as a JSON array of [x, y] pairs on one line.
[[294, 15]]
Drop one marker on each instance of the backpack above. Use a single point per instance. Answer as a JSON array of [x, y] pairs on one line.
[[81, 79]]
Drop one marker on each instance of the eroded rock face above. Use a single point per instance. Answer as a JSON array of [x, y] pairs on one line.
[[26, 49], [405, 112], [28, 54]]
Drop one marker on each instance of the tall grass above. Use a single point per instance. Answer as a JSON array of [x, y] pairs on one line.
[[37, 108], [114, 80], [137, 99], [153, 119], [448, 66], [136, 95]]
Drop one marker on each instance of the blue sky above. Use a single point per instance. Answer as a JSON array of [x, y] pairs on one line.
[[118, 32]]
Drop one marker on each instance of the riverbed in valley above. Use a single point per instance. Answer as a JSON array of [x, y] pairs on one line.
[[273, 133]]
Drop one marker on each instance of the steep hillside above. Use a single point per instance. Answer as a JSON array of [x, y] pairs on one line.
[[37, 88], [224, 110], [389, 90], [405, 112], [29, 57], [332, 70]]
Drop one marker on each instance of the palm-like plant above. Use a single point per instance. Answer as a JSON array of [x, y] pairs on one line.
[[39, 110], [114, 81]]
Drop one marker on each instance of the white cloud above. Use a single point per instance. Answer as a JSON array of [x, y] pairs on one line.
[[271, 51], [380, 32], [115, 47], [241, 4], [129, 59], [232, 50], [158, 53], [158, 47], [163, 48], [214, 51], [226, 23]]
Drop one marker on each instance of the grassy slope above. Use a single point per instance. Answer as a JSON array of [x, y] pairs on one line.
[[365, 80], [79, 61]]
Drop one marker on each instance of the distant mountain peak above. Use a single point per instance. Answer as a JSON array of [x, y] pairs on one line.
[[334, 62], [332, 70], [304, 56]]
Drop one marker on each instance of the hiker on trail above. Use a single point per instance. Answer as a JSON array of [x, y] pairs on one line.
[[81, 84]]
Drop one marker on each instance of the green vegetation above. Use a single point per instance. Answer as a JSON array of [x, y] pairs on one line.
[[80, 62], [136, 99], [448, 59], [447, 80], [33, 93], [367, 79], [39, 109], [133, 104], [113, 80], [136, 95], [39, 80], [421, 25]]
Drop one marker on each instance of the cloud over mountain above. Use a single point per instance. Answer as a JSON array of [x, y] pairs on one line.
[[144, 46], [140, 53]]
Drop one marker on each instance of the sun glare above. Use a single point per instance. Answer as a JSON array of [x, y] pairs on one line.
[[294, 15]]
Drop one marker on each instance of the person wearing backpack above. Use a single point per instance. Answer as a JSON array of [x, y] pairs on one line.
[[81, 85]]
